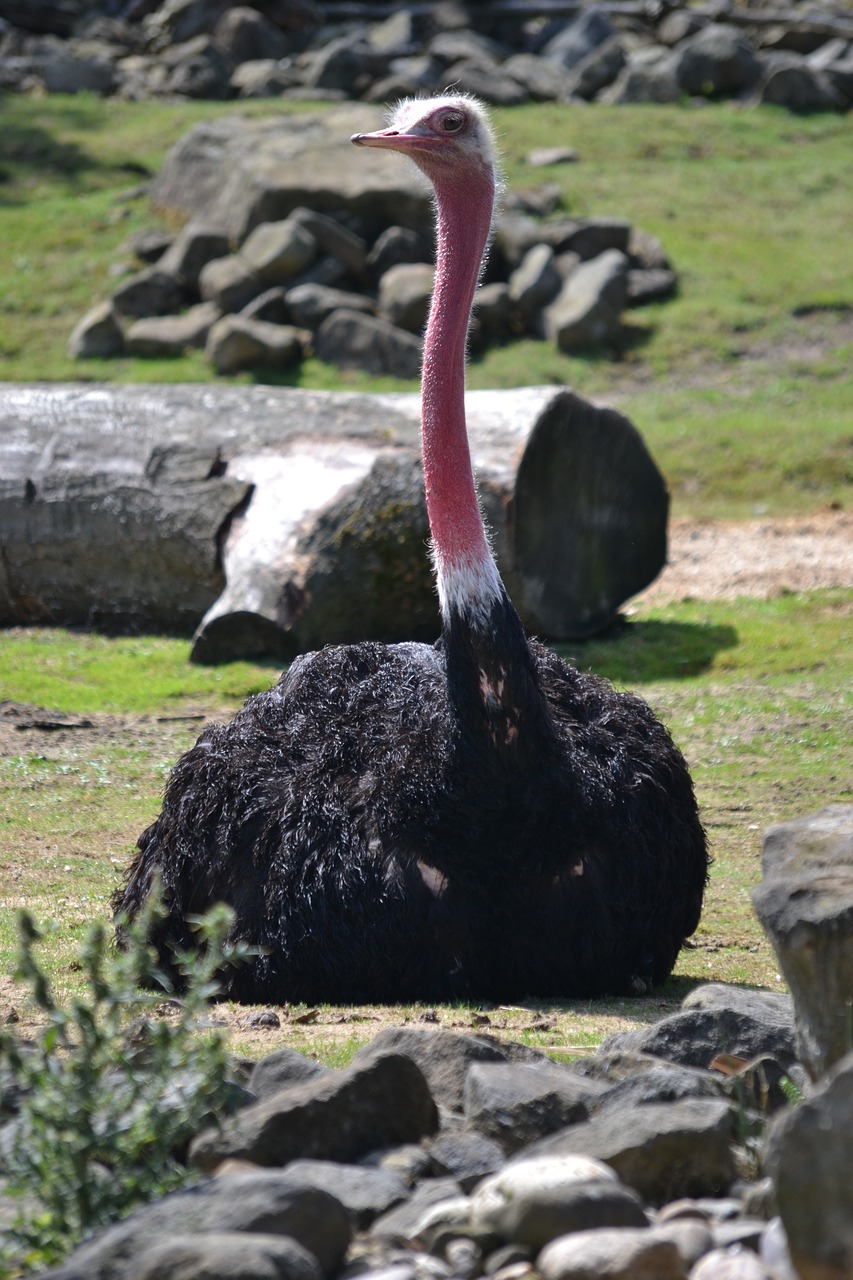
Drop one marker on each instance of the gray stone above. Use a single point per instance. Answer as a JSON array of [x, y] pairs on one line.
[[790, 82], [515, 1103], [651, 284], [237, 173], [309, 304], [192, 249], [588, 308], [617, 1253], [343, 64], [515, 235], [537, 1214], [810, 1159], [542, 157], [334, 239], [263, 1203], [730, 1264], [155, 336], [493, 310], [596, 71], [805, 904], [490, 84], [365, 1193], [404, 295], [590, 237], [235, 343], [393, 246], [357, 341], [465, 45], [444, 1057], [534, 1190], [661, 1149], [717, 1018], [579, 37], [177, 20], [271, 305], [406, 1219], [221, 1255], [278, 251], [243, 35], [262, 78], [69, 74], [664, 1082], [150, 244], [229, 282], [199, 69], [646, 251], [716, 61], [534, 284], [542, 78], [338, 1116], [97, 335], [280, 1070], [645, 80], [467, 1157], [678, 25], [149, 293]]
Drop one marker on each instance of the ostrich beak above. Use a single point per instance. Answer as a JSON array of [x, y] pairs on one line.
[[394, 140]]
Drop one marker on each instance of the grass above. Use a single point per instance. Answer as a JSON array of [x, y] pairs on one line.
[[752, 206], [759, 694]]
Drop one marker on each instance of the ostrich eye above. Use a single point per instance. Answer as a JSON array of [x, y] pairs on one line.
[[452, 122]]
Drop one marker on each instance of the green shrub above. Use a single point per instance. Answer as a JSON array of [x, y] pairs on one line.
[[113, 1088]]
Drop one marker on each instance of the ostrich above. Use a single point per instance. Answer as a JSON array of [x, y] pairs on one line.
[[474, 819]]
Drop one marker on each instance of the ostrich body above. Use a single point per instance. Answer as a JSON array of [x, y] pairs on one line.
[[470, 819]]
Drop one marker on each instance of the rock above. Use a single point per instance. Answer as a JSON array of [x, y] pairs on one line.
[[467, 1157], [365, 1193], [404, 295], [544, 156], [236, 342], [229, 282], [158, 336], [243, 34], [661, 1149], [717, 1018], [334, 239], [238, 173], [493, 311], [278, 251], [578, 38], [262, 78], [716, 61], [152, 292], [543, 80], [271, 305], [517, 1102], [730, 1264], [646, 79], [490, 84], [98, 335], [596, 71], [356, 341], [533, 1202], [410, 1217], [652, 284], [281, 1069], [198, 69], [343, 65], [308, 305], [444, 1057], [534, 284], [70, 74], [663, 1082], [790, 82], [232, 1255], [338, 1116], [589, 237], [619, 1253], [394, 246], [808, 1157], [588, 308], [678, 25], [805, 904], [190, 251], [262, 1203], [515, 235]]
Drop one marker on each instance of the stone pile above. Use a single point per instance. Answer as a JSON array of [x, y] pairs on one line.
[[348, 274], [506, 53], [698, 1148]]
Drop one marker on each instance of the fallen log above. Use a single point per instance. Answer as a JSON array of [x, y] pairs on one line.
[[271, 520]]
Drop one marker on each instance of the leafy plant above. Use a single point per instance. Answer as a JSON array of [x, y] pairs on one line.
[[114, 1086]]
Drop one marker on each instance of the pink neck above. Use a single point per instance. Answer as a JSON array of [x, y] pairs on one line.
[[467, 576]]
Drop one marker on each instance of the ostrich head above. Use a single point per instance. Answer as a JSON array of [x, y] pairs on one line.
[[445, 137]]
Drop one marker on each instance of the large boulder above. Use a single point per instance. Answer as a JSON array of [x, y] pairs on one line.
[[805, 903]]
